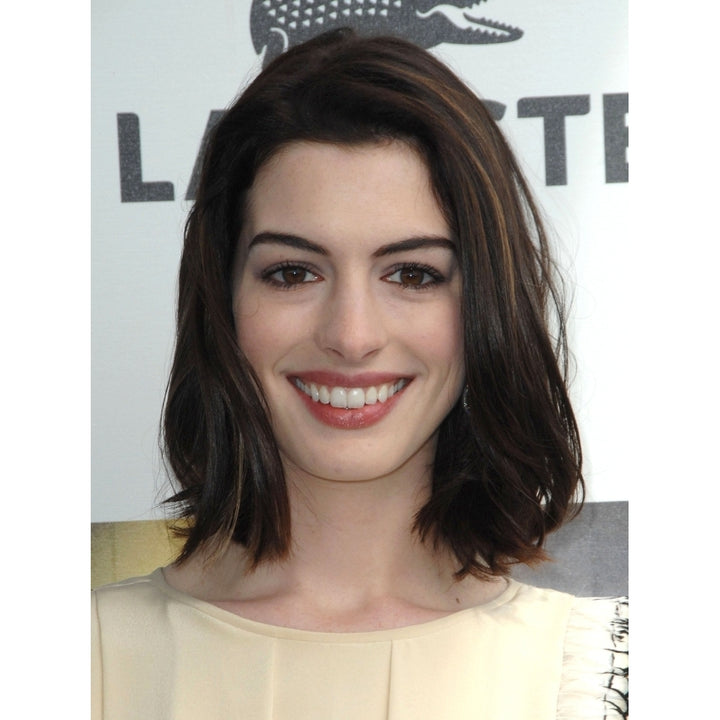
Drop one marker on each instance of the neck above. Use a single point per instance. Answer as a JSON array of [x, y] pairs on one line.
[[355, 561], [359, 536]]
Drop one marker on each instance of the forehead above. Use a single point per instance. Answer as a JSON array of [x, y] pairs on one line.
[[325, 192]]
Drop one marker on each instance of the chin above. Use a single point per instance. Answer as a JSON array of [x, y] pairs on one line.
[[354, 464]]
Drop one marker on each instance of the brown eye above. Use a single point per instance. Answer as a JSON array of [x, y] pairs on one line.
[[293, 275], [415, 277], [289, 276], [411, 276]]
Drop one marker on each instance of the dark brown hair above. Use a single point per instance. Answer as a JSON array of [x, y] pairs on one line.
[[507, 469]]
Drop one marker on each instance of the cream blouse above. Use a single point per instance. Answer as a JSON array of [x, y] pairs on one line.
[[529, 654]]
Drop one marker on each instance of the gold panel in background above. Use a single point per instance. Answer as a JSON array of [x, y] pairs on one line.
[[124, 549]]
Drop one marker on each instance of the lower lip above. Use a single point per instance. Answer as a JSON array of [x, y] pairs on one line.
[[349, 418]]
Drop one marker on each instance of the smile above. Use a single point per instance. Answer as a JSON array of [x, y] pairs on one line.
[[350, 398]]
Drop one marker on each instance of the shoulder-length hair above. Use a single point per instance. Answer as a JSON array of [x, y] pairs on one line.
[[508, 467]]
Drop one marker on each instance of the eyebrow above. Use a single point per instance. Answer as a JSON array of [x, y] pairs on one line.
[[415, 243], [294, 241], [301, 243]]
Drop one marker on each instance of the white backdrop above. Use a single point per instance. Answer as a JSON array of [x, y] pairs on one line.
[[170, 64]]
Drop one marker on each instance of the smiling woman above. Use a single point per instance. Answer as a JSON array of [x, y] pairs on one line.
[[371, 331], [367, 420]]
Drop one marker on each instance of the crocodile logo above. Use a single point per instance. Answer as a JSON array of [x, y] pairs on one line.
[[276, 25]]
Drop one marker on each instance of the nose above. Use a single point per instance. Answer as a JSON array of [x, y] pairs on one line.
[[352, 325]]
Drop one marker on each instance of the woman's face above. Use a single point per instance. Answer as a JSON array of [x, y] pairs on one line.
[[347, 305]]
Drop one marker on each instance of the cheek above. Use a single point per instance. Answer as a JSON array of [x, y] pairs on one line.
[[254, 334], [442, 334], [263, 332]]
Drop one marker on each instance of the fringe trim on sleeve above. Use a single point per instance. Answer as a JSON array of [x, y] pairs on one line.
[[594, 681]]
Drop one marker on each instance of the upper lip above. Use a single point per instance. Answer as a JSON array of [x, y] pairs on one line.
[[335, 379]]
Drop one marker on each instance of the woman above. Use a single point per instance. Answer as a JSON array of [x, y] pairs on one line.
[[367, 419]]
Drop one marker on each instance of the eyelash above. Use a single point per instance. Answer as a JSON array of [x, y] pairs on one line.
[[436, 277], [267, 275]]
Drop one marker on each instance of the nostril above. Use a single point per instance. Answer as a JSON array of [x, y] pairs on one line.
[[352, 338]]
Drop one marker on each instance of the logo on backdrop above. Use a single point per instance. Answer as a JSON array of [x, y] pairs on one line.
[[276, 25]]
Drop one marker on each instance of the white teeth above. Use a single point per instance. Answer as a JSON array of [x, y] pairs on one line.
[[338, 397], [350, 398], [355, 398]]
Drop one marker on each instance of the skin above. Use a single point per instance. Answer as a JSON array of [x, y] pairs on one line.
[[346, 265], [351, 315]]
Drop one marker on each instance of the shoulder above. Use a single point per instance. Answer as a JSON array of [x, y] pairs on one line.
[[594, 680], [589, 638], [535, 606], [128, 596], [133, 633], [134, 641], [135, 611]]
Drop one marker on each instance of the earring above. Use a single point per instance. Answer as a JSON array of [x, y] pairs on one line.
[[466, 404]]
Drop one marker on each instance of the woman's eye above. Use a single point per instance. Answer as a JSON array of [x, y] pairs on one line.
[[289, 276], [414, 276]]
